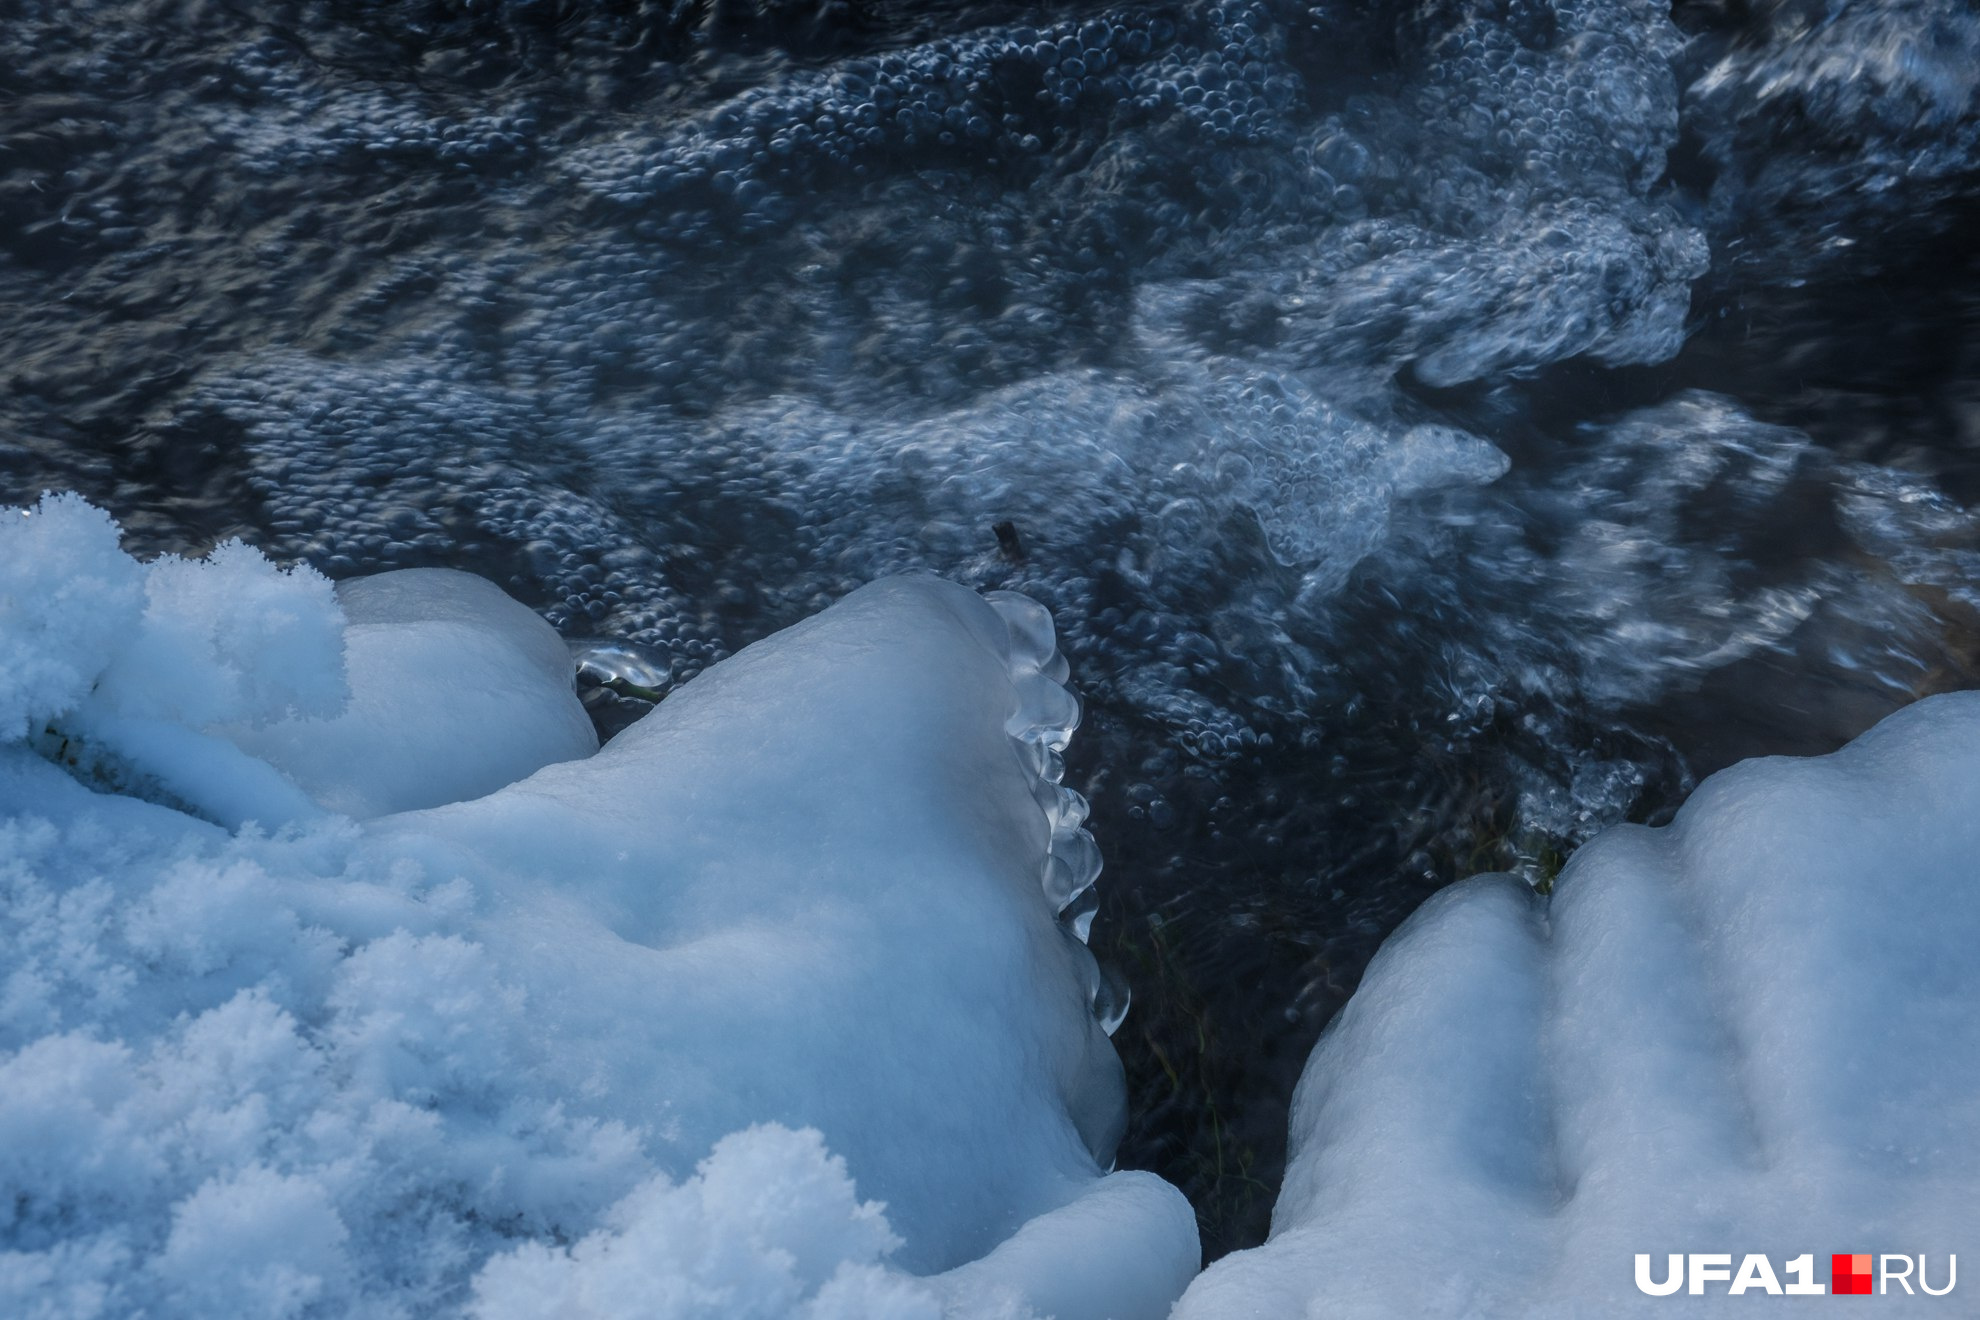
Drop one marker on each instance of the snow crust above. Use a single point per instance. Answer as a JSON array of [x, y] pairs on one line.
[[1753, 1030], [777, 1005]]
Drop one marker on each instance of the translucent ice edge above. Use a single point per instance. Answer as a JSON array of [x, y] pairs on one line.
[[1041, 728]]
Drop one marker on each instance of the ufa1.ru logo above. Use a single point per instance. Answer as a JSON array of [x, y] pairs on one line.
[[1848, 1274]]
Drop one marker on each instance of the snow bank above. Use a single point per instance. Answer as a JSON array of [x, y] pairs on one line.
[[456, 690], [778, 1005], [1754, 1031], [404, 690]]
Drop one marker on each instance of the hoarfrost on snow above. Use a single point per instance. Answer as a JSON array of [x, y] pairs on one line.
[[803, 942]]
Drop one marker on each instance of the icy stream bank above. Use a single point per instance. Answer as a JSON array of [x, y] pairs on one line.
[[804, 941], [1756, 1030]]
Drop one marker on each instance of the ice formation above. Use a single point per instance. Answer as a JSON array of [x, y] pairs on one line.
[[796, 963], [1750, 1031]]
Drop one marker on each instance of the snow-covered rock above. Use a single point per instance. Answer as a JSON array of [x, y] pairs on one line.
[[1756, 1030]]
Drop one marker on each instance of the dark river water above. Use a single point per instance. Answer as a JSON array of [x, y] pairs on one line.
[[1440, 430]]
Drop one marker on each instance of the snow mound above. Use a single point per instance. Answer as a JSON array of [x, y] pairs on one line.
[[769, 1226], [1753, 1031], [456, 690], [124, 672], [778, 1005], [404, 690], [193, 642], [848, 845]]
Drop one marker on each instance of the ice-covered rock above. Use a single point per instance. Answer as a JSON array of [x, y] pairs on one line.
[[800, 834], [1751, 1031], [778, 1005]]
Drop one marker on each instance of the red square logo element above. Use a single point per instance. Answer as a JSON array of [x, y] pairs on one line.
[[1849, 1274]]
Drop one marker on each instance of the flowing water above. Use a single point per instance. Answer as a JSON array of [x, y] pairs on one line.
[[1439, 430]]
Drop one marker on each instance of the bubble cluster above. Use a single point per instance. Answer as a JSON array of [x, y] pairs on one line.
[[682, 353], [1503, 210], [982, 100], [275, 116]]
